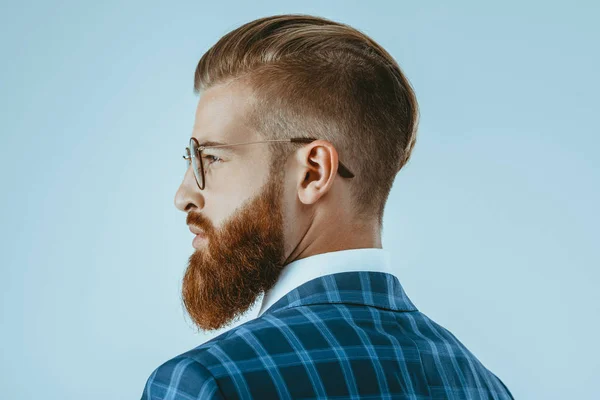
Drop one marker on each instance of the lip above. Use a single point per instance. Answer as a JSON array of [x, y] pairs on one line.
[[198, 239], [195, 230]]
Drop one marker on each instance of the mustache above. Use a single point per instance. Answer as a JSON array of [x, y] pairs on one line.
[[199, 220]]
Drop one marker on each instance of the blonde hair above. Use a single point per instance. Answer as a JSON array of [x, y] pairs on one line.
[[313, 77]]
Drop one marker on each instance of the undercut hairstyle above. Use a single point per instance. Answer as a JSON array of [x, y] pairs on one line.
[[313, 77]]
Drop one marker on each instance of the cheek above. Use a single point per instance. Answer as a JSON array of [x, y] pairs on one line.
[[244, 178], [222, 205]]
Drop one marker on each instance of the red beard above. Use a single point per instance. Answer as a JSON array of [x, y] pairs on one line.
[[240, 261]]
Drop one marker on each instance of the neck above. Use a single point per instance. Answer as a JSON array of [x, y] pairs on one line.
[[328, 237]]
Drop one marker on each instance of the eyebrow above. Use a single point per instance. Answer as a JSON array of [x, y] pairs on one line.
[[210, 143]]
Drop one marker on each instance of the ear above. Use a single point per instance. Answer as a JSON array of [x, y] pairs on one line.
[[318, 163]]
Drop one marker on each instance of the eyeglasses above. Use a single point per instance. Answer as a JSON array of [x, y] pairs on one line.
[[194, 155]]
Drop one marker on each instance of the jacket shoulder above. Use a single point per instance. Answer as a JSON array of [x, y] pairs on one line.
[[181, 378]]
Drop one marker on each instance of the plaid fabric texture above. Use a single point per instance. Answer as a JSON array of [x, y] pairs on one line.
[[349, 335]]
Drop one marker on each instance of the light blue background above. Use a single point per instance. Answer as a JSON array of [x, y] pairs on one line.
[[493, 224]]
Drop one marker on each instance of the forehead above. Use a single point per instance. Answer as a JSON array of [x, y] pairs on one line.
[[221, 115]]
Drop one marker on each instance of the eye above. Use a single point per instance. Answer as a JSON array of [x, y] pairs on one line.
[[212, 159]]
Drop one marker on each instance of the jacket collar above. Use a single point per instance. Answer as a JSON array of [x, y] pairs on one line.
[[377, 289]]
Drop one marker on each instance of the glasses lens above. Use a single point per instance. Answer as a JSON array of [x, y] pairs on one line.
[[196, 163]]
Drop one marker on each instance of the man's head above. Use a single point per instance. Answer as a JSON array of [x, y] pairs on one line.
[[267, 204]]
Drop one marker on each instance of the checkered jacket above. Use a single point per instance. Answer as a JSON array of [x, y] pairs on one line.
[[349, 335]]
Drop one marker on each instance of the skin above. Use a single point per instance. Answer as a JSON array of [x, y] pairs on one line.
[[256, 220]]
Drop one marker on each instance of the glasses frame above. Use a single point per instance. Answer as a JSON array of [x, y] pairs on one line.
[[342, 169]]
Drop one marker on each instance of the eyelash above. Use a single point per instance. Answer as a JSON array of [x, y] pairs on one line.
[[214, 157]]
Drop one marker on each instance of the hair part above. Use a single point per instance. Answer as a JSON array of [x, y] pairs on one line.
[[313, 77]]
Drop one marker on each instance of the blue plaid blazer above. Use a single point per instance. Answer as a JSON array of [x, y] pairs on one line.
[[349, 335]]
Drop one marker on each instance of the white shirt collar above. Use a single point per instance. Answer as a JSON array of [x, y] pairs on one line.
[[301, 271]]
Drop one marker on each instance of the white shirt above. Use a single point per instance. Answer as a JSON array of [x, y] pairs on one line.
[[301, 271]]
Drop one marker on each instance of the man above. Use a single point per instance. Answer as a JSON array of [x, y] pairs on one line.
[[301, 127]]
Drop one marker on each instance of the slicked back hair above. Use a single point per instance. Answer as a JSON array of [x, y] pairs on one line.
[[313, 77]]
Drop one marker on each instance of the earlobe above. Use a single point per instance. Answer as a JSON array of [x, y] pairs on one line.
[[309, 195]]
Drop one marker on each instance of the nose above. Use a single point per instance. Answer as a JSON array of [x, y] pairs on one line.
[[188, 194]]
